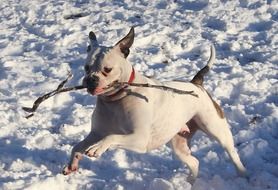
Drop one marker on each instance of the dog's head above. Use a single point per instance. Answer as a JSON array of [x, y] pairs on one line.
[[107, 65]]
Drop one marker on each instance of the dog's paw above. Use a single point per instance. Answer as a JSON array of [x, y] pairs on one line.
[[91, 154], [69, 169], [97, 150], [73, 165]]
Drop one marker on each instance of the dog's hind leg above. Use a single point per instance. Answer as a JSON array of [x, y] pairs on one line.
[[181, 146], [219, 129]]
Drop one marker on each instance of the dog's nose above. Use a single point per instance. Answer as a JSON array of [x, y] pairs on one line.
[[92, 82]]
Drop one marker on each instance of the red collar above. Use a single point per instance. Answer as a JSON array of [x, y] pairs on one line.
[[130, 80], [132, 76]]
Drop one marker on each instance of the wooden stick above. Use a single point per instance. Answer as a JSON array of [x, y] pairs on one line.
[[61, 89], [162, 87], [48, 95]]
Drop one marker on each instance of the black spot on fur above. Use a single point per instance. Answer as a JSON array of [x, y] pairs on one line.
[[125, 52], [92, 36], [199, 77]]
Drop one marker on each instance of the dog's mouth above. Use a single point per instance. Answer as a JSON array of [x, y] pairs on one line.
[[106, 91], [95, 92]]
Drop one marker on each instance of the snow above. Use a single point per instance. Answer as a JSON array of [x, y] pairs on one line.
[[40, 41]]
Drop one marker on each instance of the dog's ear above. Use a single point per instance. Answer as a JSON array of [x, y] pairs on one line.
[[125, 43], [93, 40]]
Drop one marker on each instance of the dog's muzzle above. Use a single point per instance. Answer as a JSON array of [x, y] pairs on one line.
[[91, 82]]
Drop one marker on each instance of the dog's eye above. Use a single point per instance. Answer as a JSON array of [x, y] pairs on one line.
[[107, 69], [87, 68]]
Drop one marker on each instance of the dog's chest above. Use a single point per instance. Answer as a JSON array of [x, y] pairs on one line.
[[113, 118]]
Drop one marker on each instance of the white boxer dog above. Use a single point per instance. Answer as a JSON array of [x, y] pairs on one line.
[[142, 119]]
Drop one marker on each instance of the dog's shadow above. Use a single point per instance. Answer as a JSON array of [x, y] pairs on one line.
[[131, 170]]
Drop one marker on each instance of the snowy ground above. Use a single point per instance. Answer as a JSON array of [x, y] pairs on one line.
[[39, 43]]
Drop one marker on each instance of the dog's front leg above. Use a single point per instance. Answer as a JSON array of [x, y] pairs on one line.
[[77, 152], [134, 142]]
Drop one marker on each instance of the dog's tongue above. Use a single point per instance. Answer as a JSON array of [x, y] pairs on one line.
[[96, 91]]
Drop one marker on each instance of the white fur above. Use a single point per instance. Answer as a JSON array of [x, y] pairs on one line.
[[212, 56], [142, 119]]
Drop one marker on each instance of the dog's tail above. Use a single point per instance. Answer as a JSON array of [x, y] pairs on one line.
[[199, 77]]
